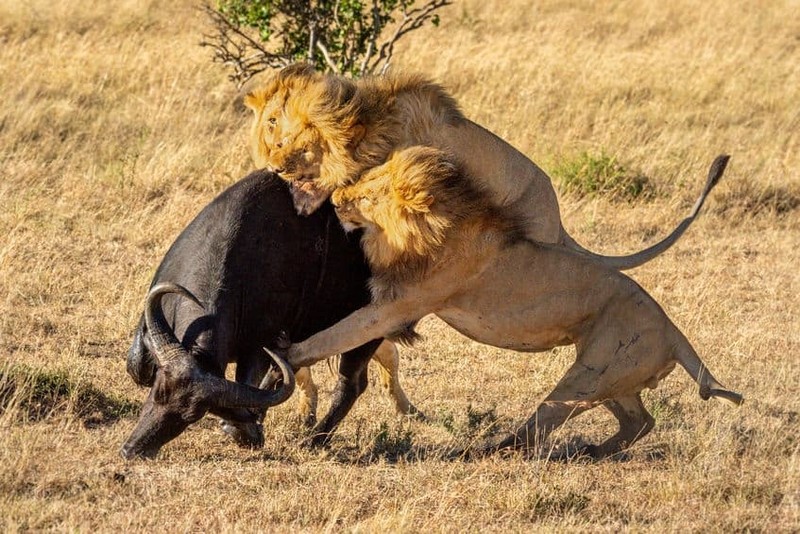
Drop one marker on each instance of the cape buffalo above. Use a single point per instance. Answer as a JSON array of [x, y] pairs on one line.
[[245, 274]]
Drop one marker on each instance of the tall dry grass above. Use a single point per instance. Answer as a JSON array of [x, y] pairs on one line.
[[115, 129]]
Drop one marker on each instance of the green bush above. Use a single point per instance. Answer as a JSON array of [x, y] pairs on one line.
[[347, 37]]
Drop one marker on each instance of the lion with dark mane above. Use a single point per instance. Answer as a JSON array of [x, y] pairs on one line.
[[321, 132], [436, 244]]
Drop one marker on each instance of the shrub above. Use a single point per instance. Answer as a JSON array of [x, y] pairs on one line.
[[347, 37]]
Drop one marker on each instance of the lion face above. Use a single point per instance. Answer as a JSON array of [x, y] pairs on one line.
[[364, 204], [290, 145], [300, 134], [401, 205], [297, 154]]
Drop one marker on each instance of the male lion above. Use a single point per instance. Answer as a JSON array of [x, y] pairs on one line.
[[321, 132], [436, 244]]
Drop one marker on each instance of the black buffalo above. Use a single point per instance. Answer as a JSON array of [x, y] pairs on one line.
[[260, 274]]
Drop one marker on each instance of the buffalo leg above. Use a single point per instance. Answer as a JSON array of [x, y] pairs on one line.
[[635, 422], [244, 426], [351, 384], [388, 360]]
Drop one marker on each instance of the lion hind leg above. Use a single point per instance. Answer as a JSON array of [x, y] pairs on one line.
[[388, 359], [548, 417], [575, 393], [635, 422], [307, 404]]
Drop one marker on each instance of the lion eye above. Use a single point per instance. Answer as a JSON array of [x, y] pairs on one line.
[[273, 121]]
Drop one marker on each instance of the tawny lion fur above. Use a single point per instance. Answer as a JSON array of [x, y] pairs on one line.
[[438, 246], [321, 132]]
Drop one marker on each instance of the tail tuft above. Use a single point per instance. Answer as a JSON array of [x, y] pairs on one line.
[[716, 170], [706, 392]]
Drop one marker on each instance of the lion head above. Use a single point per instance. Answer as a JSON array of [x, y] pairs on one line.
[[320, 132], [405, 206], [306, 129]]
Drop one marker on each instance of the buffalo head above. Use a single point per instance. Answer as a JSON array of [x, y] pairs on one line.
[[183, 391]]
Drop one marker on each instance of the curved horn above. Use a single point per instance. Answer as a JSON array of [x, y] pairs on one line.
[[235, 395], [166, 347]]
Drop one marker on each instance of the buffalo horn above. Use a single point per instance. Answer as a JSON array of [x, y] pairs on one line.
[[237, 395], [166, 346], [167, 349]]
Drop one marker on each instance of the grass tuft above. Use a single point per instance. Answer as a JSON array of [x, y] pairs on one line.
[[36, 394], [600, 175], [392, 444], [558, 506]]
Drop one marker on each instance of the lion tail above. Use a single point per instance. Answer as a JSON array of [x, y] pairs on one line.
[[630, 261]]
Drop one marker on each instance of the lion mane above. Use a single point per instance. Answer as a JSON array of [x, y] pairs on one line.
[[360, 122], [414, 209]]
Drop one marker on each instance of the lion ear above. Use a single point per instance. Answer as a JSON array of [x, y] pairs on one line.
[[255, 100], [410, 198], [357, 133]]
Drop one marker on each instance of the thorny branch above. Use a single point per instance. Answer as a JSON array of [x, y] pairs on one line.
[[412, 20]]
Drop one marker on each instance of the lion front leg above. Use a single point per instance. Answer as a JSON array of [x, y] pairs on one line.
[[371, 322], [307, 404], [388, 360]]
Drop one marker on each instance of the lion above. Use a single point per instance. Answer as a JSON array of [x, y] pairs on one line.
[[436, 244], [321, 132]]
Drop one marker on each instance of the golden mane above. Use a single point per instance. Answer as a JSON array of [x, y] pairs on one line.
[[360, 123], [413, 208]]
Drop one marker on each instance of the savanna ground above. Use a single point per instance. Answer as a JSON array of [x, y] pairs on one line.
[[115, 129]]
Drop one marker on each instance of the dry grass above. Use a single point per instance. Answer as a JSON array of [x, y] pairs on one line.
[[115, 129]]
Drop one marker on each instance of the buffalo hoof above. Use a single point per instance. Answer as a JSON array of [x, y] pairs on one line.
[[246, 435], [596, 452], [317, 439]]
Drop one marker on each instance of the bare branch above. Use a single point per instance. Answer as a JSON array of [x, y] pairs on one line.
[[328, 60], [312, 41], [412, 20], [373, 38], [234, 47]]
